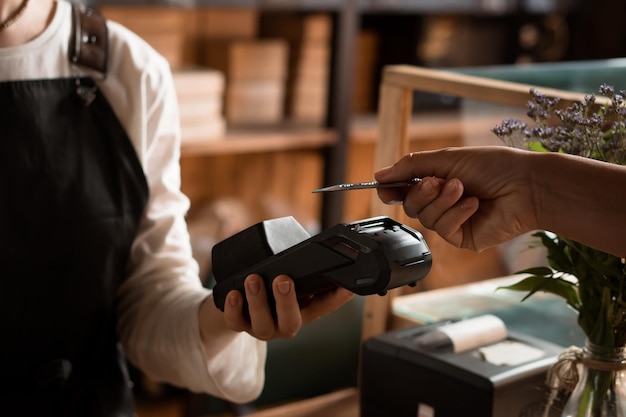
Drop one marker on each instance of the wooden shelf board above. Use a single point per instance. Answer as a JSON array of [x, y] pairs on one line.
[[364, 129], [424, 126], [263, 139]]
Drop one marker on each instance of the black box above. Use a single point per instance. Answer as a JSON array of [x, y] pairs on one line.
[[399, 379]]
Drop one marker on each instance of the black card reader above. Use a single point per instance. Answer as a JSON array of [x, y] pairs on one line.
[[367, 257]]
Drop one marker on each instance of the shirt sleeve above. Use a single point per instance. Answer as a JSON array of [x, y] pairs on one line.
[[158, 303]]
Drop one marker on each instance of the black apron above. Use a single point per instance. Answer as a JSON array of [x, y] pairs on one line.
[[72, 192]]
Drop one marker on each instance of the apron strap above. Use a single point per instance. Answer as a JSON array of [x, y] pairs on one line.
[[89, 40]]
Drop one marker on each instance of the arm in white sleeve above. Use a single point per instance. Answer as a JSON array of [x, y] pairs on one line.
[[159, 301]]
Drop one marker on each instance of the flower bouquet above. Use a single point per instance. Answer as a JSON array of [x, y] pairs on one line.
[[598, 291]]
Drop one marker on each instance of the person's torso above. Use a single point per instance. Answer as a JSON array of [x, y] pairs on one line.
[[73, 192]]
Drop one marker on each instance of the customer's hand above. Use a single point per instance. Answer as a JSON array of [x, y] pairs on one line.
[[473, 197]]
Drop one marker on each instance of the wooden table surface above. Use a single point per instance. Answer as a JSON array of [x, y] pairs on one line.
[[342, 403]]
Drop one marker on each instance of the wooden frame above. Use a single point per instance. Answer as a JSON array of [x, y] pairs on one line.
[[395, 109]]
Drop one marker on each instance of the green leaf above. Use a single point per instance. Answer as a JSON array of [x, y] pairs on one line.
[[557, 286], [536, 146], [543, 271]]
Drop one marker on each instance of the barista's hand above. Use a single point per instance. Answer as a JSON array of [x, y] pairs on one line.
[[290, 315]]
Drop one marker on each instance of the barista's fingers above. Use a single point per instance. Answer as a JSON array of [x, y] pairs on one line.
[[234, 316], [288, 318], [261, 319]]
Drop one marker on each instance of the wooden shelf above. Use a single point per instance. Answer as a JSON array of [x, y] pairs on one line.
[[263, 139], [425, 126], [303, 5], [363, 129], [473, 7]]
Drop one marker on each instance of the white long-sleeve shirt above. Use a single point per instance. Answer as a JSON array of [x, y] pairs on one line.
[[158, 302]]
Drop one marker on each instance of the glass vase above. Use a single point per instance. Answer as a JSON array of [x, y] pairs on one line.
[[601, 387]]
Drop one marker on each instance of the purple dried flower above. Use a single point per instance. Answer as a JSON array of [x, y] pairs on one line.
[[508, 127], [537, 112], [606, 90], [585, 129], [588, 101]]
